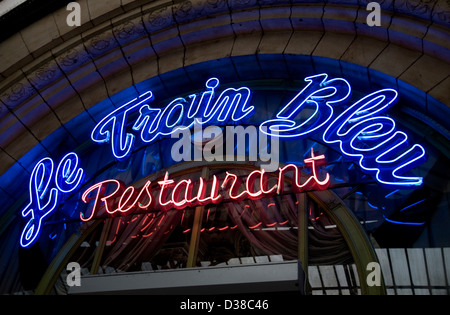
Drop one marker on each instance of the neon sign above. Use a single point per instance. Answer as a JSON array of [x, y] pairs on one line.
[[372, 140], [360, 132], [319, 96], [177, 115], [46, 188], [116, 200]]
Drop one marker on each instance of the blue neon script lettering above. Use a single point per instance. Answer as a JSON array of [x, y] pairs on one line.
[[112, 128], [373, 141], [154, 122], [46, 187], [317, 97], [360, 132]]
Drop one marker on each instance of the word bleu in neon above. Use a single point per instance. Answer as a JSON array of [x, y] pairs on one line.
[[46, 188], [177, 115], [360, 132]]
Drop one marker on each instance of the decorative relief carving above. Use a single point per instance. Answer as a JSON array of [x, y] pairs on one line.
[[441, 13], [45, 75], [69, 58], [159, 19], [72, 59], [129, 31], [184, 11], [17, 93], [242, 3], [101, 43], [218, 4], [419, 8]]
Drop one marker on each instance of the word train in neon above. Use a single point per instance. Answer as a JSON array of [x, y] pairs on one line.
[[360, 132], [46, 188], [186, 193], [177, 115]]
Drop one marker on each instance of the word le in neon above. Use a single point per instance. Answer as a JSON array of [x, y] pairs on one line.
[[46, 188], [118, 200], [361, 133], [177, 115]]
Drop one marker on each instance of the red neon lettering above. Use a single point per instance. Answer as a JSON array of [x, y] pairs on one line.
[[250, 185], [187, 191], [214, 198], [166, 183], [312, 182], [315, 161], [122, 205], [233, 191], [141, 196], [101, 188], [263, 182], [181, 194]]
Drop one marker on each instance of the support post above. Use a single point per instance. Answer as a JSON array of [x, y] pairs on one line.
[[302, 213], [196, 229], [101, 247], [303, 229]]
